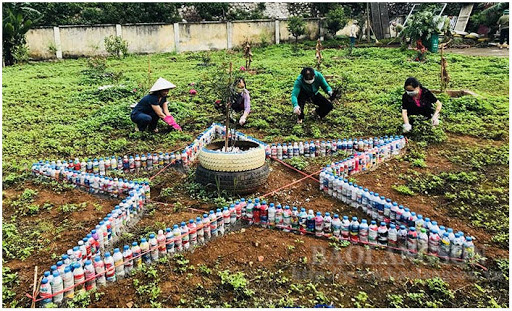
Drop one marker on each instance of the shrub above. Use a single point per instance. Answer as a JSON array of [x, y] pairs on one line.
[[297, 26], [335, 20], [116, 46]]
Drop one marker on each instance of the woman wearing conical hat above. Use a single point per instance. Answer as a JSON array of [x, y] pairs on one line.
[[153, 107]]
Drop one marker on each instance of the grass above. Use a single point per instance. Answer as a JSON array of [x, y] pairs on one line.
[[55, 110]]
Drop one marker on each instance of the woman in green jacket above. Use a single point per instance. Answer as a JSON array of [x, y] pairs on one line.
[[307, 87]]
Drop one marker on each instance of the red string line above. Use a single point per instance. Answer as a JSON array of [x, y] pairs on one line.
[[293, 168]]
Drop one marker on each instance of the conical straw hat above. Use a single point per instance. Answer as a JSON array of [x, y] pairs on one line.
[[161, 84]]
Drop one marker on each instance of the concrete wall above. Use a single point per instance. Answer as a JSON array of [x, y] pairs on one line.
[[40, 42], [202, 36], [255, 32], [84, 40], [162, 38], [76, 41], [312, 30]]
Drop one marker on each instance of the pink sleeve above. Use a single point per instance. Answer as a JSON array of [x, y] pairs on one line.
[[247, 101]]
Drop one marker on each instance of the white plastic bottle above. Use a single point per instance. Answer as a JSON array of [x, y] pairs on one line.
[[99, 268], [57, 286], [45, 291], [128, 261], [118, 262], [153, 245], [90, 280], [68, 280]]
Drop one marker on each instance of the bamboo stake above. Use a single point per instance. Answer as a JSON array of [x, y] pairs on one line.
[[34, 290], [228, 104]]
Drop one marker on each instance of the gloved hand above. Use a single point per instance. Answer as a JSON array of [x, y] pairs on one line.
[[170, 121], [407, 127], [296, 110], [242, 120], [330, 93], [435, 119]]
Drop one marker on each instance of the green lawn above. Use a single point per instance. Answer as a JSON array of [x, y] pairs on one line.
[[54, 109]]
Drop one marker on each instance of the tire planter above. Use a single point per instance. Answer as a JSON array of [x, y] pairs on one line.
[[241, 172], [237, 182], [231, 161]]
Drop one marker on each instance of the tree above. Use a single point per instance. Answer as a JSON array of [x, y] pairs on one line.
[[335, 20], [297, 26], [423, 25], [16, 22]]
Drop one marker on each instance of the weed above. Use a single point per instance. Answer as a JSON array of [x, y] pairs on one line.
[[181, 263], [71, 207], [203, 269], [402, 189]]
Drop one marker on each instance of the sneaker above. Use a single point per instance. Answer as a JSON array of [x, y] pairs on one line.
[[137, 128], [505, 45], [299, 121], [155, 131]]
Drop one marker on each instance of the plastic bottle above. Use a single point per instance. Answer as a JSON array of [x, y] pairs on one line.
[[68, 281], [169, 240], [441, 232], [200, 231], [422, 242], [319, 224], [363, 231], [433, 242], [457, 246], [382, 231], [412, 241], [220, 222], [153, 246], [57, 286], [287, 219], [310, 222], [345, 228], [393, 236], [303, 221], [176, 232], [264, 214], [185, 237], [445, 247], [79, 277], [213, 224], [110, 268], [99, 269], [118, 262], [206, 227], [419, 223], [279, 151], [373, 232], [327, 225], [128, 260], [307, 149], [160, 239], [295, 220], [271, 216], [469, 249], [192, 229], [336, 226], [249, 212], [232, 216], [45, 292], [90, 280], [354, 230], [144, 249]]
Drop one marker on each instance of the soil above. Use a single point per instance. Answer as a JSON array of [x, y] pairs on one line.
[[253, 250], [489, 51]]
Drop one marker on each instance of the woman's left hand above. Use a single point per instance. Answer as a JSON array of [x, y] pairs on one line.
[[435, 119]]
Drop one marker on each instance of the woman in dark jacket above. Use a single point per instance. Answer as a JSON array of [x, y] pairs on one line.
[[418, 100], [153, 107]]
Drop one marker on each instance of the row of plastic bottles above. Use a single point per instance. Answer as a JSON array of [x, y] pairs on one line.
[[93, 183], [98, 269], [137, 163], [406, 236], [323, 148]]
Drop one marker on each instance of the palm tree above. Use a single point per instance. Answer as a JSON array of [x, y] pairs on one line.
[[16, 22]]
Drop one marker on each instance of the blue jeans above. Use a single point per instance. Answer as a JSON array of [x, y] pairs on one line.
[[144, 120], [352, 41]]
